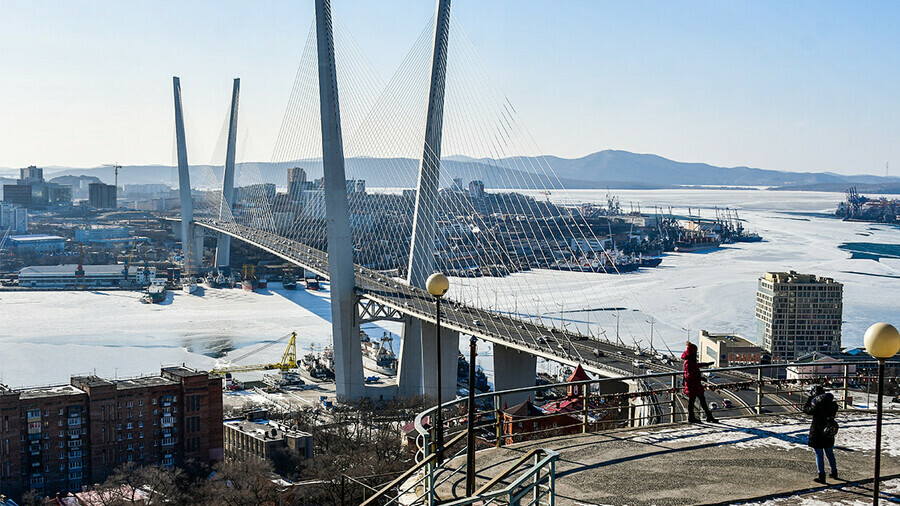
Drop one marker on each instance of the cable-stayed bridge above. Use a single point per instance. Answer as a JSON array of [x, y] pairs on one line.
[[378, 249]]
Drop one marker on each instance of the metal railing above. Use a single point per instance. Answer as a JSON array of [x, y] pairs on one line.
[[607, 404], [535, 486]]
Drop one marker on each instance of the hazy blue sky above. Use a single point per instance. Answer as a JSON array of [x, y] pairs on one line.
[[800, 85]]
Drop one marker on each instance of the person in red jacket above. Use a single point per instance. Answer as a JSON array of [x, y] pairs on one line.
[[693, 387]]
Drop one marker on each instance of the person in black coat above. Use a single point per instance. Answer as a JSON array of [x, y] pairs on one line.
[[821, 405]]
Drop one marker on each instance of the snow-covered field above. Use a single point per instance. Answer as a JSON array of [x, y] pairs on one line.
[[47, 336]]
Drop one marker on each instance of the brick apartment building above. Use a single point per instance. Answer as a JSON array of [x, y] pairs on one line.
[[56, 439]]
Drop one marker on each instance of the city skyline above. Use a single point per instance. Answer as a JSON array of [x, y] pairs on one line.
[[799, 87]]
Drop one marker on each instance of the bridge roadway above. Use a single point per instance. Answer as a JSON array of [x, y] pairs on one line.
[[600, 357], [554, 344]]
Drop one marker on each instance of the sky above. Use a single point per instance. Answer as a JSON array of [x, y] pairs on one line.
[[804, 85]]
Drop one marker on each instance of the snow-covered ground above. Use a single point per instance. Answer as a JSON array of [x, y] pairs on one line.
[[47, 336]]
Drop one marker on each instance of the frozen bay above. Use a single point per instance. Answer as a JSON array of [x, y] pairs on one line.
[[47, 336]]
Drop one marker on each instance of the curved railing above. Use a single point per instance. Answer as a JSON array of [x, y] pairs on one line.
[[605, 404]]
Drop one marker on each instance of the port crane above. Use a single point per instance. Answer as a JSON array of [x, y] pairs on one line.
[[288, 359]]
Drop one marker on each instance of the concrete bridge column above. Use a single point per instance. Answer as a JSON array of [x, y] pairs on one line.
[[409, 368], [513, 369], [449, 361], [196, 250]]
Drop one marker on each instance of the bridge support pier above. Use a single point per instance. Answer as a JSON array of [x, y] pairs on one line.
[[409, 368], [429, 359], [513, 369]]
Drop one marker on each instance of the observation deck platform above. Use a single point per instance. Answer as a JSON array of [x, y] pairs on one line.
[[756, 459]]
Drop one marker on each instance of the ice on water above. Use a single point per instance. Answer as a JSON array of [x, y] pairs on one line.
[[47, 336]]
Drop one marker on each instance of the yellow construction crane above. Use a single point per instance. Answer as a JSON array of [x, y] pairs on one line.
[[288, 360]]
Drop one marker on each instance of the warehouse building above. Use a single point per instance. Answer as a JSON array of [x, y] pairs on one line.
[[37, 243]]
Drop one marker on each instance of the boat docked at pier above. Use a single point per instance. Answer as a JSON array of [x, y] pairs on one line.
[[609, 262], [693, 244], [188, 285], [378, 356], [156, 293]]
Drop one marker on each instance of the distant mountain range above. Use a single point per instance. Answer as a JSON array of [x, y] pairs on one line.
[[604, 169]]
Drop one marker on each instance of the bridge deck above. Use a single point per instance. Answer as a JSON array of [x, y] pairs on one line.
[[560, 346], [738, 460]]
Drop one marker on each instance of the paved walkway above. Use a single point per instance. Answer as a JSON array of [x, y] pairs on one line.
[[755, 459]]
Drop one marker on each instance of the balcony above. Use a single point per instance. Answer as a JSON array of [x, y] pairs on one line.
[[167, 421], [74, 421]]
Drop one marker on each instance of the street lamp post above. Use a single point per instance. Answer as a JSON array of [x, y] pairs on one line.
[[470, 426], [437, 285], [882, 342]]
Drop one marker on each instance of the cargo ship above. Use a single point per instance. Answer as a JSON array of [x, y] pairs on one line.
[[698, 243], [377, 355], [249, 281], [612, 262], [156, 293], [462, 374]]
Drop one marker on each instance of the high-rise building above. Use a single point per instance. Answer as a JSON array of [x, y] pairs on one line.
[[13, 218], [31, 190], [31, 174], [55, 439], [476, 189], [296, 183], [798, 314], [18, 194], [102, 196]]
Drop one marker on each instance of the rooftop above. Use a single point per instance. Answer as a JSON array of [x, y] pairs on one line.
[[794, 277], [263, 429], [756, 458], [35, 237], [52, 391], [182, 371], [69, 270], [146, 381]]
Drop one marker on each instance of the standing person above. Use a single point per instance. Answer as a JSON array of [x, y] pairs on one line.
[[693, 387], [821, 405]]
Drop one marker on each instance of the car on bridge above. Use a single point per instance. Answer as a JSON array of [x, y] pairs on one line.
[[726, 403]]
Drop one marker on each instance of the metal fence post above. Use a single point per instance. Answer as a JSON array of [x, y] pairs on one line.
[[498, 414], [584, 409], [759, 391], [674, 405], [846, 381]]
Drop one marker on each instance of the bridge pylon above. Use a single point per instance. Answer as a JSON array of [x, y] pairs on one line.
[[191, 242], [223, 243], [345, 322], [418, 351]]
